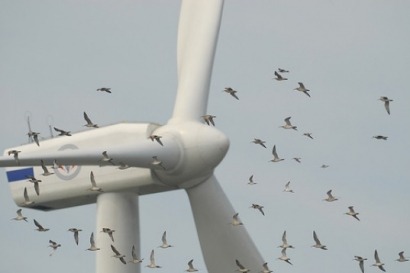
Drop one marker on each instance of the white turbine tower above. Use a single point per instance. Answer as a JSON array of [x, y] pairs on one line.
[[186, 160]]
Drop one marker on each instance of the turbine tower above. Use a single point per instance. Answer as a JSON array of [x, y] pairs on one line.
[[186, 158]]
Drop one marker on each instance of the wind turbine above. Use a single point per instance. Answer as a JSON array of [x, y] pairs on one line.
[[190, 152]]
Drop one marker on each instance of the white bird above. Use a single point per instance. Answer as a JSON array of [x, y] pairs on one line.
[[164, 241], [361, 262], [157, 138], [258, 207], [19, 216], [75, 231], [118, 255], [191, 267], [109, 232], [251, 182], [259, 141], [285, 242], [235, 220], [287, 188], [386, 101], [54, 246], [135, 259], [209, 119], [92, 247], [317, 242], [93, 183], [279, 77], [352, 213], [288, 124], [35, 181], [241, 268], [45, 170], [89, 124], [265, 268], [34, 136], [232, 92], [157, 163], [401, 257], [275, 155], [378, 263], [152, 263], [15, 154], [40, 227], [380, 137], [106, 158], [330, 197], [123, 166], [284, 257], [302, 88], [104, 89], [62, 132], [27, 200]]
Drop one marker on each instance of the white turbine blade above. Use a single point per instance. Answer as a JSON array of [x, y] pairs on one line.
[[221, 242], [199, 24]]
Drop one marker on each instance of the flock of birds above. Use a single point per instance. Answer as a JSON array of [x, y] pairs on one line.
[[209, 120]]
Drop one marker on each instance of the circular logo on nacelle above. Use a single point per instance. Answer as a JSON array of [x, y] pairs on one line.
[[67, 172]]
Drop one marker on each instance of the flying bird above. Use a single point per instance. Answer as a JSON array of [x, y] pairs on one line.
[[297, 159], [378, 263], [45, 170], [15, 154], [361, 262], [258, 207], [209, 119], [284, 257], [235, 220], [386, 101], [285, 242], [302, 88], [94, 186], [118, 255], [89, 124], [251, 182], [135, 259], [352, 213], [232, 92], [288, 124], [279, 77], [265, 268], [35, 181], [164, 241], [241, 268], [191, 267], [275, 155], [380, 137], [309, 135], [27, 200], [75, 231], [19, 216], [324, 166], [152, 263], [34, 136], [317, 242], [281, 70], [40, 227], [109, 232], [54, 246], [401, 257], [330, 197], [156, 138], [287, 188], [259, 141], [104, 89], [123, 166], [157, 163], [106, 159], [92, 247], [62, 132]]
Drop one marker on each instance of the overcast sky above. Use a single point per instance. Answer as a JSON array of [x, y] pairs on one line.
[[55, 54]]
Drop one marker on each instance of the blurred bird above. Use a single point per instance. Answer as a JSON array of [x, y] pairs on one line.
[[156, 138], [324, 166], [309, 135], [287, 188], [232, 92], [361, 262], [241, 268], [75, 231], [380, 137], [302, 88], [54, 246], [89, 124], [235, 220], [251, 182], [275, 155], [15, 154], [157, 163], [123, 166], [45, 170], [152, 263], [62, 132], [27, 200], [109, 232], [259, 141], [330, 197], [284, 257], [104, 89], [118, 255], [40, 227], [288, 124], [35, 181], [377, 261], [34, 136], [265, 268], [164, 241], [191, 267], [258, 207], [19, 216], [351, 212], [106, 159], [317, 242], [401, 257], [386, 101], [285, 242], [281, 70], [93, 183], [209, 119], [297, 159], [279, 77], [135, 259], [92, 243]]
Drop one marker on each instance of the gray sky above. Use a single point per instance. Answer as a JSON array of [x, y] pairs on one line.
[[54, 54]]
